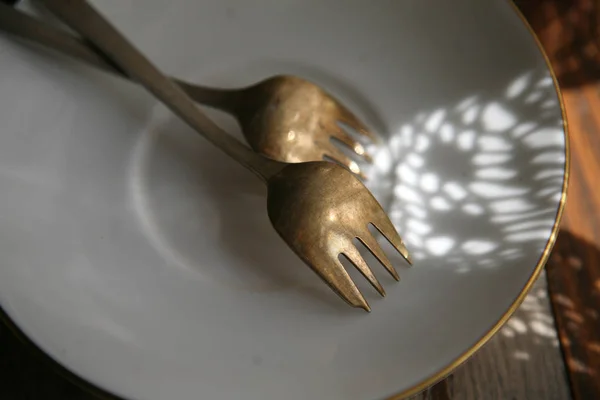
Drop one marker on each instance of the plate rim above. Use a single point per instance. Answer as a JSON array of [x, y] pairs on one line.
[[104, 394]]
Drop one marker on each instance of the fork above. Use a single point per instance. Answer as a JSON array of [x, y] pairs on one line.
[[283, 117], [317, 207]]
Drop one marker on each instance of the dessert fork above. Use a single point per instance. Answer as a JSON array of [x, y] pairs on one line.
[[317, 207], [284, 117]]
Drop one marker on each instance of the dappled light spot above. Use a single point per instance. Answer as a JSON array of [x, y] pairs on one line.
[[572, 326], [447, 133], [439, 203], [422, 143], [563, 300], [519, 216], [407, 174], [473, 209], [487, 263], [594, 347], [479, 247], [518, 86], [521, 226], [493, 143], [517, 324], [507, 332], [496, 173], [543, 328], [524, 128], [555, 198], [439, 246], [466, 103], [406, 193], [395, 146], [494, 191], [539, 235], [415, 160], [549, 104], [416, 211], [513, 256], [435, 120], [521, 355], [534, 97], [407, 134], [496, 118], [509, 251], [396, 214], [574, 316], [413, 240], [455, 191], [545, 82], [549, 173], [466, 140], [550, 157], [579, 367], [470, 114], [575, 263], [511, 206], [383, 161], [430, 182], [545, 138], [418, 226], [491, 158]]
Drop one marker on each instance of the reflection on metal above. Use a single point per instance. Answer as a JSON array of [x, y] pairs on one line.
[[285, 118], [301, 196]]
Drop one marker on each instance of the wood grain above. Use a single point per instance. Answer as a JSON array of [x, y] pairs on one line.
[[523, 361], [570, 32]]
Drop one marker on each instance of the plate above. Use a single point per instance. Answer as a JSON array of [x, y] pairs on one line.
[[142, 260]]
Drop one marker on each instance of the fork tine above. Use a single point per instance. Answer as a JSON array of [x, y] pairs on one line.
[[353, 144], [338, 155], [371, 243], [386, 228], [338, 279], [347, 117], [352, 254]]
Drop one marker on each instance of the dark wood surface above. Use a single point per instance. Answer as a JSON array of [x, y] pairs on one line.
[[570, 31], [562, 359]]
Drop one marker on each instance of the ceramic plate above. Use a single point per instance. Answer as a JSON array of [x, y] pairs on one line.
[[142, 259]]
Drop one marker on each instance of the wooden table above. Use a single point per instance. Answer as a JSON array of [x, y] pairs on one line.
[[550, 349]]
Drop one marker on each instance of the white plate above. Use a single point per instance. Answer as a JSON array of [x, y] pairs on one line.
[[141, 258]]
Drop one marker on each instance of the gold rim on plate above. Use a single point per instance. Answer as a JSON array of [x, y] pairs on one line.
[[444, 372]]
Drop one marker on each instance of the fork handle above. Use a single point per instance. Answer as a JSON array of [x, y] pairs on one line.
[[84, 19], [26, 27]]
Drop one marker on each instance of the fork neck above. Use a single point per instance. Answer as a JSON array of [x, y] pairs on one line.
[[84, 19], [226, 100]]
